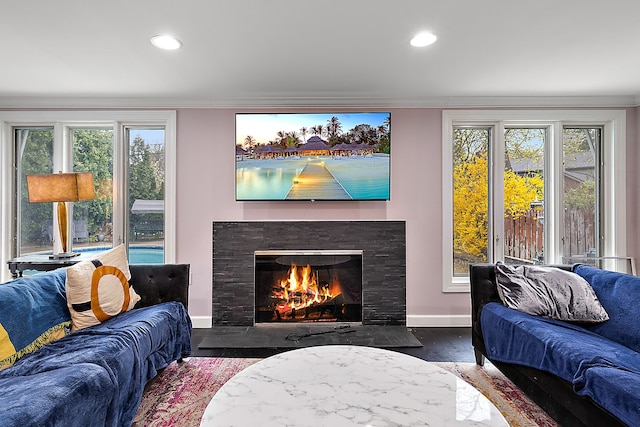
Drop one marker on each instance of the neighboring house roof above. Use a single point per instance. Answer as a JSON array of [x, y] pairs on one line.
[[147, 206], [579, 160], [520, 166], [578, 166]]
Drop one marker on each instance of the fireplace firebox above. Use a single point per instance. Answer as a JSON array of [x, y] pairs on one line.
[[308, 286]]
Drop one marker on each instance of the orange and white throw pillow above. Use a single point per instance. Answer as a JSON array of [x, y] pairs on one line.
[[99, 289]]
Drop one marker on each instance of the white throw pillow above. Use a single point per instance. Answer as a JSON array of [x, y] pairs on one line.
[[550, 292], [98, 290]]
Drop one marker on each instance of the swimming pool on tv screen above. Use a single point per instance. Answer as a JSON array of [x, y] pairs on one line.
[[271, 179]]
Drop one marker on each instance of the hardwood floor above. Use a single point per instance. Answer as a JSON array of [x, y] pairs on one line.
[[439, 345]]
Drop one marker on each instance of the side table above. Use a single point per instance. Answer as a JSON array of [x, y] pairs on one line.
[[41, 263]]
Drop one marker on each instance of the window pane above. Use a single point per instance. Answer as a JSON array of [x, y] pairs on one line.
[[580, 154], [146, 196], [34, 148], [524, 196], [93, 219], [470, 197]]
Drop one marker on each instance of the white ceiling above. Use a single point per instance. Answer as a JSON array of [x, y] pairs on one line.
[[319, 52]]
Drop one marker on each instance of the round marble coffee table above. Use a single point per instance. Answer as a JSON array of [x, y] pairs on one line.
[[348, 386]]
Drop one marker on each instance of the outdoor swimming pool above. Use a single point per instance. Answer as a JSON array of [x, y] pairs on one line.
[[146, 255], [271, 179], [137, 254]]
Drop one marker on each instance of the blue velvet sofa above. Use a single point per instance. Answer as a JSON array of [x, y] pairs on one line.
[[94, 376], [582, 374]]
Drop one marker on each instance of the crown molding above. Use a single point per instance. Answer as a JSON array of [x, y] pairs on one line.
[[21, 102], [546, 101]]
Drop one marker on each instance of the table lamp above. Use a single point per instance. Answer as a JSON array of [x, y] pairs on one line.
[[61, 188]]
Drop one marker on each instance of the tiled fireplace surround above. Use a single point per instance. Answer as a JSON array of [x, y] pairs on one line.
[[383, 263]]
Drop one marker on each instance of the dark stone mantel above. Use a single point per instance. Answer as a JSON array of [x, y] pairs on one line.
[[383, 274]]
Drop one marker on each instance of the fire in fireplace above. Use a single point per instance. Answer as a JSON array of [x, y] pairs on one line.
[[308, 286]]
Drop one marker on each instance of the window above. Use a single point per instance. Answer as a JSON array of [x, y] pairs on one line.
[[581, 153], [35, 146], [531, 187], [93, 219], [523, 195], [146, 194], [470, 208], [107, 144]]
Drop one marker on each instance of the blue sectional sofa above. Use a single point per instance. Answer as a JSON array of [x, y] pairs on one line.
[[94, 376], [582, 374]]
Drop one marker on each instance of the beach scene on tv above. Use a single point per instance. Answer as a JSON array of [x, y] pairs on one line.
[[314, 156]]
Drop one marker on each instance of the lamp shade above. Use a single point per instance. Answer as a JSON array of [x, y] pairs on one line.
[[60, 187]]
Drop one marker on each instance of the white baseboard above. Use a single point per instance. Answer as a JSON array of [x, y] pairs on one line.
[[438, 321], [201, 322], [413, 321]]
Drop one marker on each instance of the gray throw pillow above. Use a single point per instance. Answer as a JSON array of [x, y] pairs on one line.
[[549, 292]]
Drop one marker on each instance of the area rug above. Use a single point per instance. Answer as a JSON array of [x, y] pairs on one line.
[[518, 409], [178, 396]]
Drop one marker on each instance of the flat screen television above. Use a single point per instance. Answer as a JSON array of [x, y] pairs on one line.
[[313, 156]]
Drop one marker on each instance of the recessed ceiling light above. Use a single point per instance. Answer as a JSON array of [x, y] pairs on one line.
[[423, 39], [166, 42]]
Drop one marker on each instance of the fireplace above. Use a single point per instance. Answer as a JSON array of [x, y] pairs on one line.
[[308, 286], [381, 243]]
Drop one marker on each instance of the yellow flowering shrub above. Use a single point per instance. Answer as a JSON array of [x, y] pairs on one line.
[[471, 203]]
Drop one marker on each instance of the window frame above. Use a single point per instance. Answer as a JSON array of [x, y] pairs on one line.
[[613, 186], [63, 122]]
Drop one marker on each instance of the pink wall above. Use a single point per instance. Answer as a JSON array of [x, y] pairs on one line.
[[206, 174]]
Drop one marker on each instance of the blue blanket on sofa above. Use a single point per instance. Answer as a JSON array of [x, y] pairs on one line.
[[33, 312], [601, 361], [95, 376]]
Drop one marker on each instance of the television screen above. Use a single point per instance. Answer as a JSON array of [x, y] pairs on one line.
[[313, 156]]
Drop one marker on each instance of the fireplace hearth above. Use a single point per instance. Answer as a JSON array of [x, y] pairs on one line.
[[383, 277], [308, 286]]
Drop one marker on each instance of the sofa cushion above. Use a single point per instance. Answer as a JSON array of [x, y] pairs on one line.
[[33, 312], [619, 293], [99, 289], [617, 390], [61, 397], [548, 291], [561, 348]]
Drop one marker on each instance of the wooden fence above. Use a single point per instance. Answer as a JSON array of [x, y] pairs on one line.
[[524, 240], [580, 229]]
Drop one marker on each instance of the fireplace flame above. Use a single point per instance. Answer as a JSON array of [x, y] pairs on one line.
[[300, 289]]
